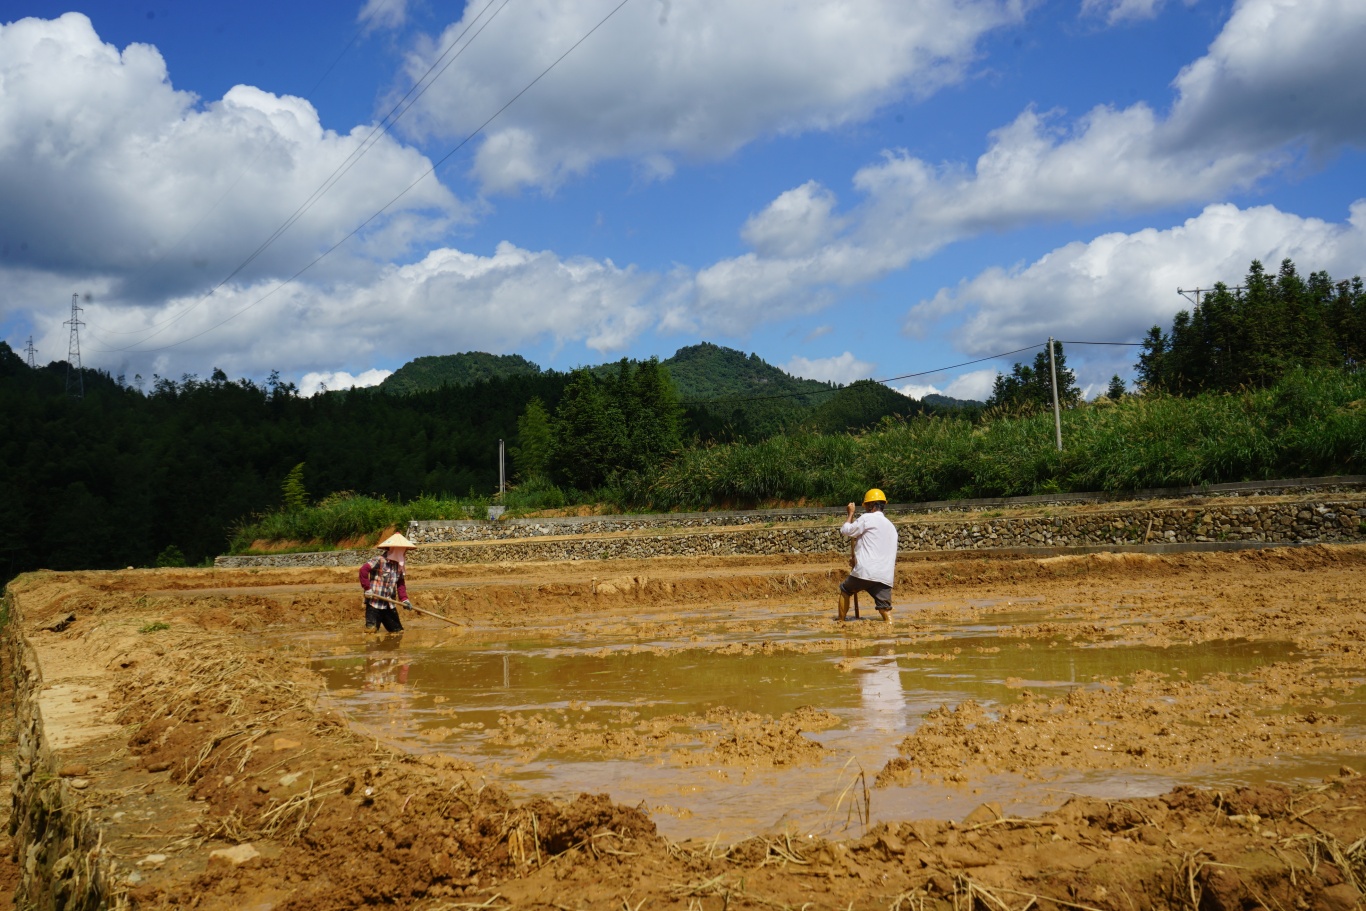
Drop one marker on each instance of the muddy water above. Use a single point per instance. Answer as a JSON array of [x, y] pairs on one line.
[[464, 694]]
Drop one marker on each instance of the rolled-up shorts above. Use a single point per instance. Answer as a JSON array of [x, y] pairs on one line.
[[881, 591]]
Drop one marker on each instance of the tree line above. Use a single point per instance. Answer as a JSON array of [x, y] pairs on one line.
[[1248, 336], [124, 476], [117, 477], [1254, 334]]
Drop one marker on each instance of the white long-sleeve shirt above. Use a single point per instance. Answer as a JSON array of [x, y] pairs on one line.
[[874, 547]]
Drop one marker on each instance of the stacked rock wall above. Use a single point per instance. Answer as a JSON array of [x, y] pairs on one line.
[[445, 531], [1338, 520]]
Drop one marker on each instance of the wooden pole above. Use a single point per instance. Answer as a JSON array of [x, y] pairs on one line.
[[1057, 411]]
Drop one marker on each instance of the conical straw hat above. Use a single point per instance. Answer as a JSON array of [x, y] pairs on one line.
[[395, 540]]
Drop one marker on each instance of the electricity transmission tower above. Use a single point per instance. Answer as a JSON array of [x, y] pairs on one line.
[[75, 381], [31, 354], [1187, 292]]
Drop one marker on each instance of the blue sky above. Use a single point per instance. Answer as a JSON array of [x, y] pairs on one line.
[[848, 189]]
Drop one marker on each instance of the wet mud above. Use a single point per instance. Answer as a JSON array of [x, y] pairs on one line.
[[1103, 731]]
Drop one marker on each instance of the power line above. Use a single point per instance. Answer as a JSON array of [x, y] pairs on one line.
[[992, 357], [904, 376], [364, 146], [224, 195], [320, 257]]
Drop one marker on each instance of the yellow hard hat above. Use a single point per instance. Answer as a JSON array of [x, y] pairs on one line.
[[874, 496]]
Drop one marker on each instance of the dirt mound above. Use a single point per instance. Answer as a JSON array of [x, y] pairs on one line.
[[1155, 722]]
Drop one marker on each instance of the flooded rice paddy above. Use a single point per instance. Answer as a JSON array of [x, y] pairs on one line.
[[642, 706], [719, 697]]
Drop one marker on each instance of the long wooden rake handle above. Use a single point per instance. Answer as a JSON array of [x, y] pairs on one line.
[[410, 606]]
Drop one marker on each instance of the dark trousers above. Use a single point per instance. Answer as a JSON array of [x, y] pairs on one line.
[[375, 617]]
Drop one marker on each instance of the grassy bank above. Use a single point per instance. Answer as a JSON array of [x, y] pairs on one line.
[[1311, 423], [351, 520]]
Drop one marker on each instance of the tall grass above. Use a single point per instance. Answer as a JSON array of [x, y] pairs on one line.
[[1311, 423], [794, 467], [355, 519]]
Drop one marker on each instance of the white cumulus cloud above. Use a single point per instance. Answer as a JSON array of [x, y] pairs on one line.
[[694, 80], [918, 390], [842, 368], [1116, 286], [449, 300], [974, 385], [1116, 11], [109, 172], [1280, 71], [795, 223], [1280, 76], [320, 381]]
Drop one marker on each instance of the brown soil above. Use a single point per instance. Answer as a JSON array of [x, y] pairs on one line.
[[9, 867], [191, 737]]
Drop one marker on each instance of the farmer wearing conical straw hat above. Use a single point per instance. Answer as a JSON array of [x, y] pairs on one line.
[[382, 581]]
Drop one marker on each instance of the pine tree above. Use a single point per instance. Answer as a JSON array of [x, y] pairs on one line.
[[1030, 388], [1253, 337], [1151, 366], [589, 432], [1184, 367], [1116, 390], [535, 441], [653, 415], [1347, 324], [295, 495]]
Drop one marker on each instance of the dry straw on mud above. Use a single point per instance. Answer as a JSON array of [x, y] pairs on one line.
[[860, 803], [1322, 846], [214, 678]]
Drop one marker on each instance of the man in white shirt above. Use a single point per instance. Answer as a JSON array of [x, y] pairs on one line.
[[874, 560]]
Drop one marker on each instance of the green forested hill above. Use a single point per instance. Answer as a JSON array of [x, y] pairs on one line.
[[860, 405], [699, 372], [706, 372], [730, 395], [727, 394], [949, 403], [427, 373]]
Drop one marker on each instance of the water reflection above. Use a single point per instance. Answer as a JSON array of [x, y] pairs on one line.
[[884, 701], [428, 694]]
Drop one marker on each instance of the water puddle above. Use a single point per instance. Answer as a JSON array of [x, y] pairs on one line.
[[521, 703]]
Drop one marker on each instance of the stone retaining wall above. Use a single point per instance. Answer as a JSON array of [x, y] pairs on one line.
[[443, 531], [1339, 520], [56, 842]]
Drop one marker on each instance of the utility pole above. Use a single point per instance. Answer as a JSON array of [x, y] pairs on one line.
[[31, 354], [502, 472], [75, 382], [1057, 411], [496, 510]]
